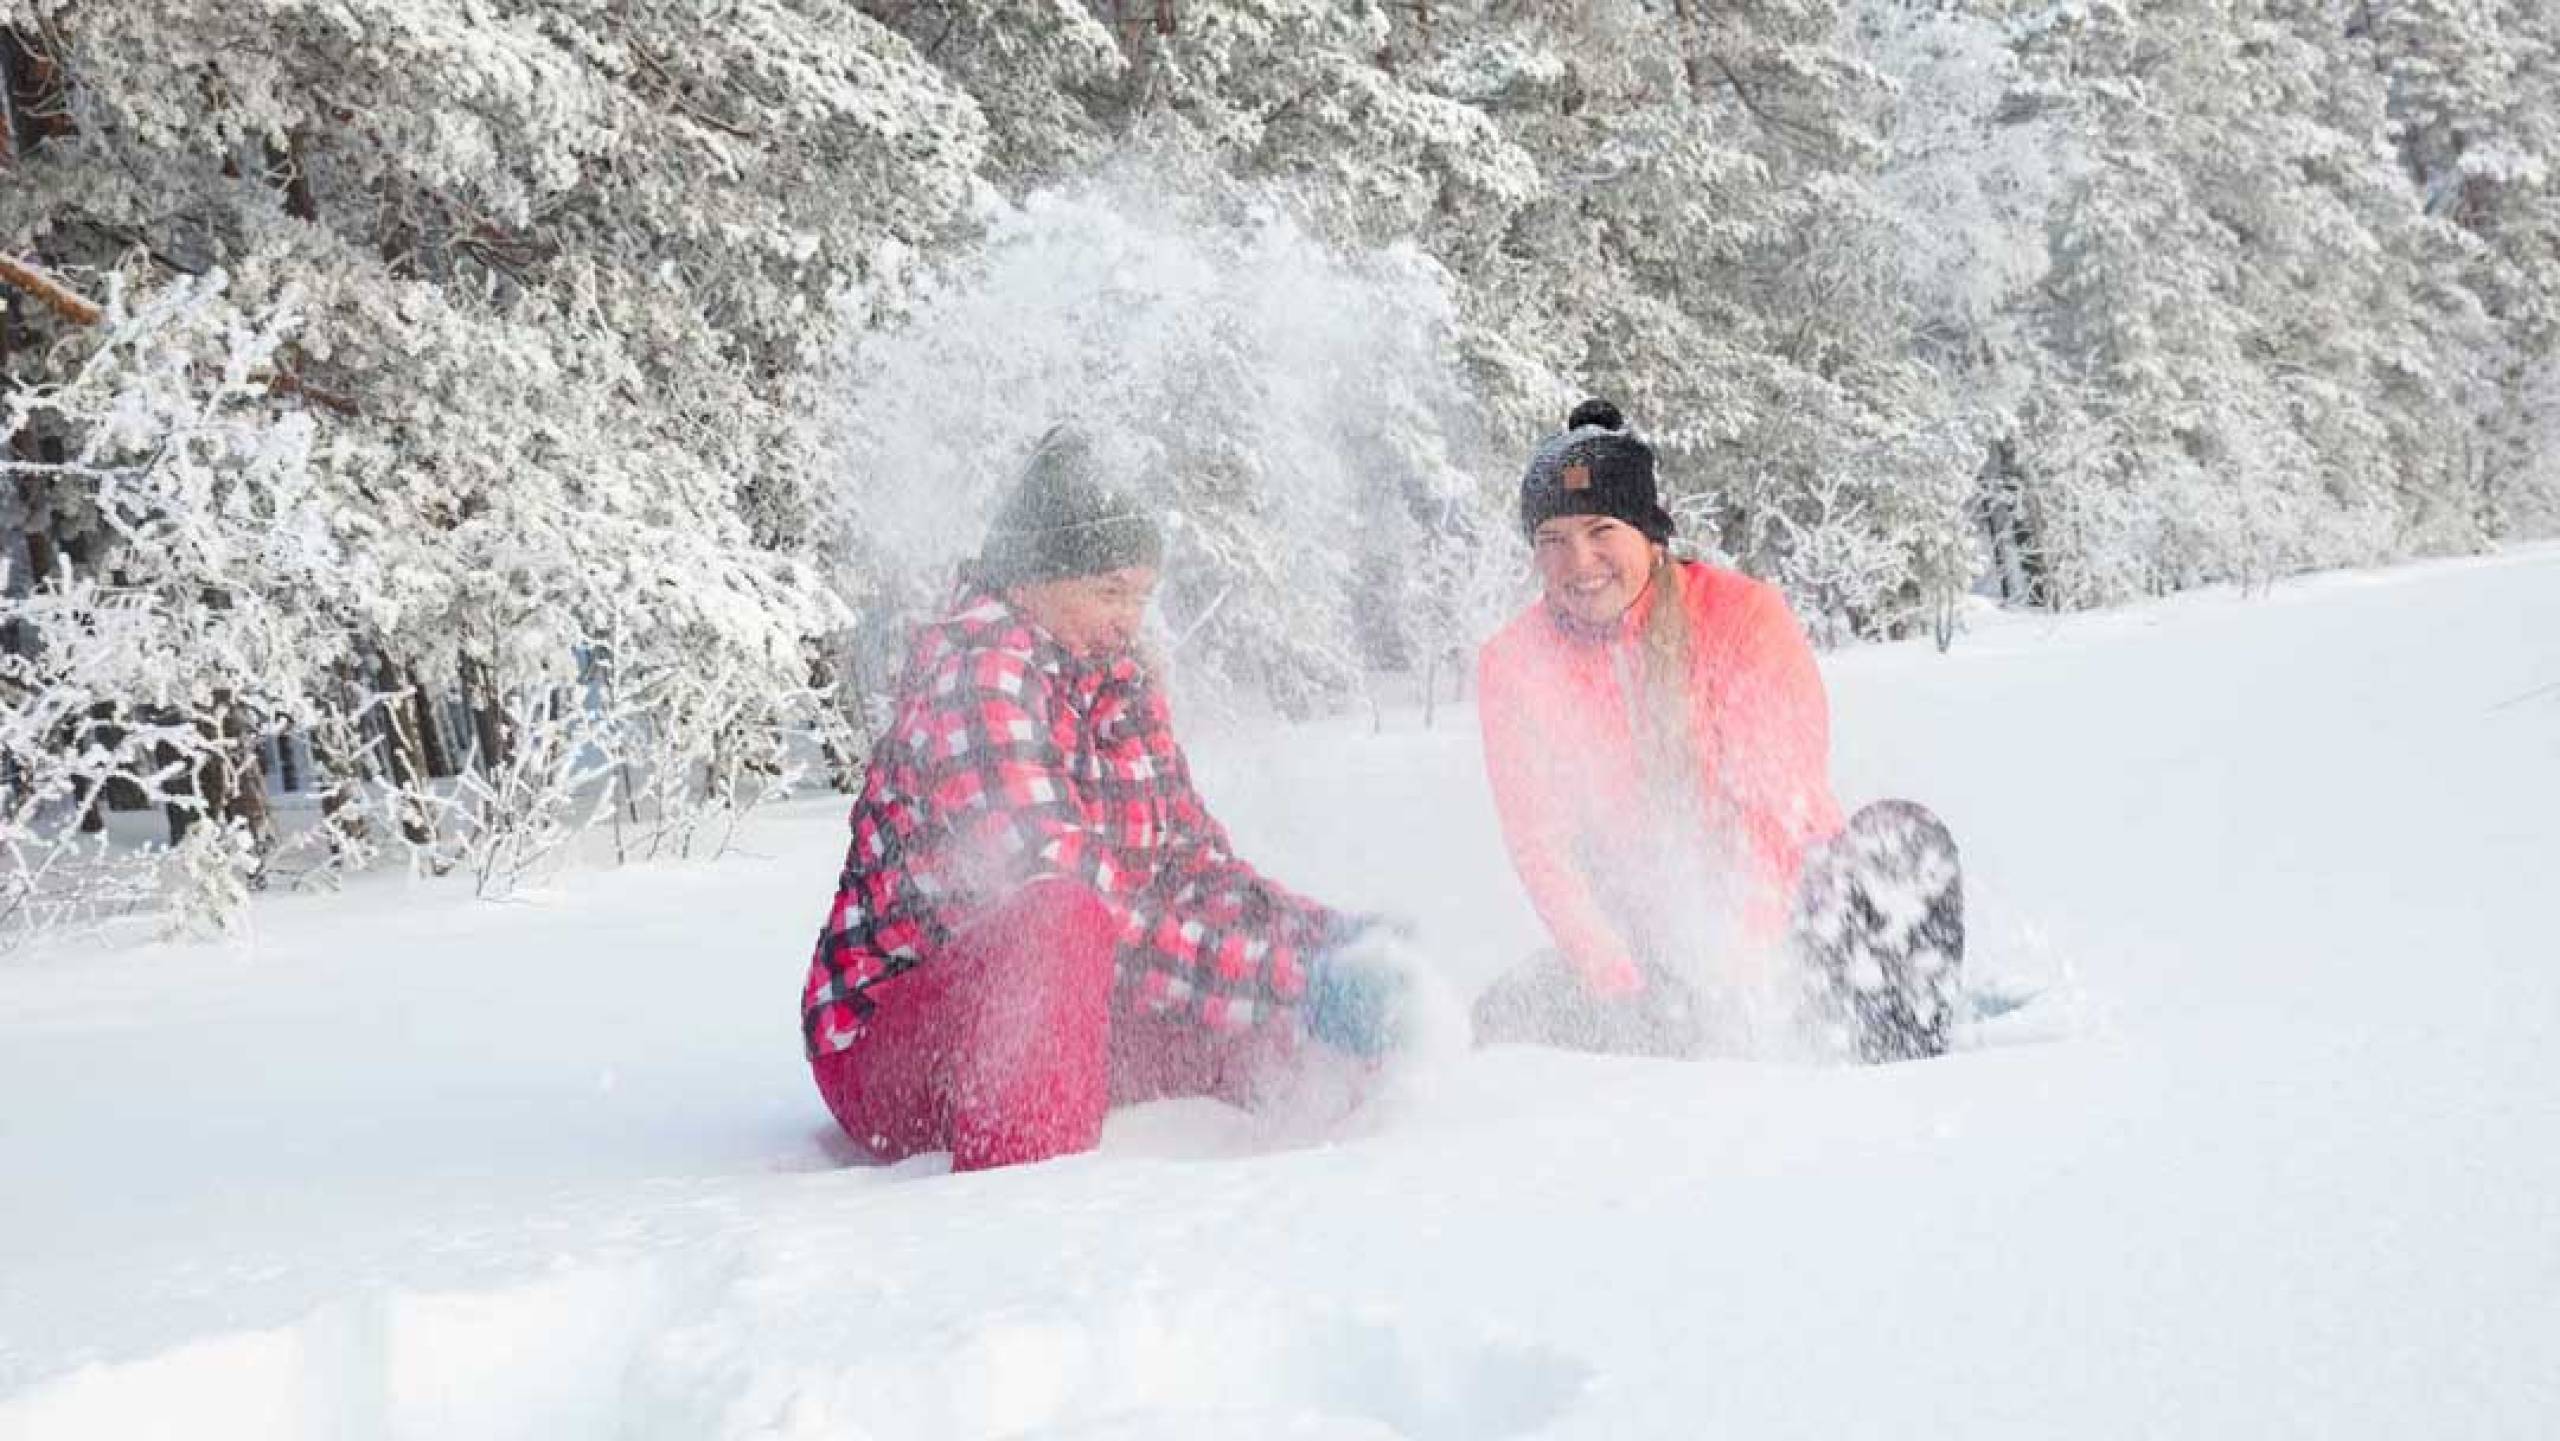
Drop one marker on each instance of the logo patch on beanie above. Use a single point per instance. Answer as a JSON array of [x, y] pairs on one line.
[[1577, 476]]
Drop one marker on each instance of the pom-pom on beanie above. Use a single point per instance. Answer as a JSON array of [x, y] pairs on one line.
[[1594, 466]]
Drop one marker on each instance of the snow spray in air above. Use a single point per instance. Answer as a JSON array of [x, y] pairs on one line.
[[1296, 414]]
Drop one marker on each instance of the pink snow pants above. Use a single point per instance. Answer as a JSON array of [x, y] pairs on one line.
[[1004, 1049]]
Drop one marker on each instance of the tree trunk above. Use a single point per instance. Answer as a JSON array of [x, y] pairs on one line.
[[1684, 42], [35, 506], [10, 51], [284, 165], [242, 780], [184, 786], [431, 740], [1139, 47], [411, 765], [341, 817], [44, 557], [118, 792], [488, 715], [2014, 554], [38, 97], [19, 96]]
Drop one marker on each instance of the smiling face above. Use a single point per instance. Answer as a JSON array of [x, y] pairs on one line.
[[1091, 615], [1593, 567]]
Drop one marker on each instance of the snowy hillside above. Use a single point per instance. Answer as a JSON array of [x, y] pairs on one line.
[[2275, 1152]]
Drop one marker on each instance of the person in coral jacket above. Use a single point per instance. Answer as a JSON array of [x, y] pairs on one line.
[[1658, 742], [1038, 918]]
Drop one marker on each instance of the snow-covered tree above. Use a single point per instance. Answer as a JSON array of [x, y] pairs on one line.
[[2474, 106], [515, 415], [552, 272], [2254, 361]]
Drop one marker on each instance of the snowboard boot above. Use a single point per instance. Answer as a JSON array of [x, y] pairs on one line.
[[1880, 923]]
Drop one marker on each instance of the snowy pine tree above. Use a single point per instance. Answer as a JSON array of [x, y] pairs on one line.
[[496, 418]]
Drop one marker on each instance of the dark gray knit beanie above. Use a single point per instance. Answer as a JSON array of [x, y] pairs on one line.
[[1594, 466], [1065, 518]]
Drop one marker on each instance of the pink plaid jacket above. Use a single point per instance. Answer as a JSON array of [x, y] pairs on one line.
[[1008, 761]]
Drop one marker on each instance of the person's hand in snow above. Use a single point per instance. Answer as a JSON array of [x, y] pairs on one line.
[[1360, 988]]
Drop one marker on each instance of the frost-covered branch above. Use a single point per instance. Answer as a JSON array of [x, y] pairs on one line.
[[58, 297]]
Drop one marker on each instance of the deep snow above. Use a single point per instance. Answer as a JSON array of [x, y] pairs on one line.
[[2277, 1152]]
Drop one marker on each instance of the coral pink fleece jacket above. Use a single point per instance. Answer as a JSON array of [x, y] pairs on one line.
[[1562, 754]]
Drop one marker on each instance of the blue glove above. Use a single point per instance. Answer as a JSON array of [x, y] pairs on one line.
[[1344, 928], [1358, 999]]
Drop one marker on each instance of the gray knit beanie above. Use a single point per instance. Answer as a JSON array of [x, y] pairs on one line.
[[1065, 518]]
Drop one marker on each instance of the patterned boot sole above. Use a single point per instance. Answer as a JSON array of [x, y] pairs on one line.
[[1883, 919]]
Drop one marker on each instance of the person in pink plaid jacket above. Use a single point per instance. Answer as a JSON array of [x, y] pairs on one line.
[[1038, 918]]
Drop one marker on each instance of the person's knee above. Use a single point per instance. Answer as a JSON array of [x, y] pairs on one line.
[[1030, 1073], [1901, 820]]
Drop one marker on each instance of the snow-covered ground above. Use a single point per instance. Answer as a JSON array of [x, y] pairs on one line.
[[2276, 1153]]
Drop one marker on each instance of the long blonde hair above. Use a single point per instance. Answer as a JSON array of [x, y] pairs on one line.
[[1666, 741], [1691, 909]]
